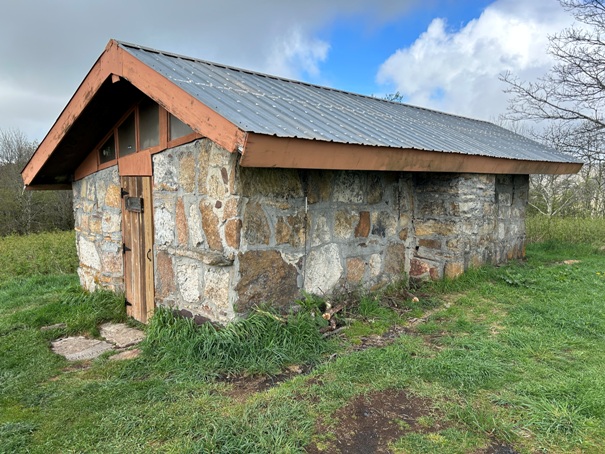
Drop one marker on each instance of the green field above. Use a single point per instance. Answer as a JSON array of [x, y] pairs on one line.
[[501, 359]]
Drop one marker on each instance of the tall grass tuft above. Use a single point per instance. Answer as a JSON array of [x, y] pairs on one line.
[[41, 253], [543, 229], [259, 344]]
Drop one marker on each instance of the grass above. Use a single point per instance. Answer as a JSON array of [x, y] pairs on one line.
[[542, 229], [510, 356], [43, 253]]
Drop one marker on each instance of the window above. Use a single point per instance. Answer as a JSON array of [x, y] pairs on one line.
[[127, 137], [107, 151], [178, 128], [146, 126], [149, 124]]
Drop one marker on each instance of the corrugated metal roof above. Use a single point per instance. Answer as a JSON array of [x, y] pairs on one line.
[[280, 107]]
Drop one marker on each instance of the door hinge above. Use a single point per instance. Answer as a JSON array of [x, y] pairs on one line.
[[125, 248], [123, 192]]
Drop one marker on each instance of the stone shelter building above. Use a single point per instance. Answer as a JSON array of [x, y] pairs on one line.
[[212, 189]]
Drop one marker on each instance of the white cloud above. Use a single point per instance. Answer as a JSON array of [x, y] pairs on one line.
[[457, 70], [296, 54]]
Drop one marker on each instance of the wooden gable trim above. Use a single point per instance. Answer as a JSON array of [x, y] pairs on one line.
[[107, 64], [269, 151], [116, 63]]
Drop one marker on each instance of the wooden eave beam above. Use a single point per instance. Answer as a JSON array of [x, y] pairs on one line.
[[116, 63], [270, 151]]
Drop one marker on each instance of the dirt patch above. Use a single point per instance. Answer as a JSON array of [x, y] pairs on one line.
[[244, 386], [369, 423]]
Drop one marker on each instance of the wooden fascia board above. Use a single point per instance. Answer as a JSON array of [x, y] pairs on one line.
[[181, 104], [107, 64], [270, 151]]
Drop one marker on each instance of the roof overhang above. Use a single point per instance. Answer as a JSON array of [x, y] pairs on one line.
[[271, 151], [114, 83]]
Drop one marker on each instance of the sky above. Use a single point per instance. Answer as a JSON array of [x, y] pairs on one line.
[[440, 54]]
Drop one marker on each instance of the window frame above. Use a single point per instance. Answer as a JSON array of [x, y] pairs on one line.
[[163, 142]]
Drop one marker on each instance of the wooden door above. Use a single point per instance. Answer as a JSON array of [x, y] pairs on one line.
[[137, 224]]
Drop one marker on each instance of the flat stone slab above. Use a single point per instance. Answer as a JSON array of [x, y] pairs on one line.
[[121, 335], [127, 354], [80, 348]]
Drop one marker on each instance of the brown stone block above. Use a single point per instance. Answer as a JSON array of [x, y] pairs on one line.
[[429, 243], [320, 186], [255, 226], [231, 208], [265, 278], [84, 223], [419, 269], [210, 224], [394, 259], [233, 229], [203, 164], [182, 230], [363, 226], [215, 187], [431, 227], [403, 234], [164, 274], [95, 225], [356, 268], [113, 196], [453, 269], [344, 221], [290, 230], [282, 231], [187, 173], [224, 175]]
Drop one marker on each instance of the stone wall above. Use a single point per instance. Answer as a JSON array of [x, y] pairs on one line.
[[319, 231], [227, 238], [467, 220], [97, 213], [197, 227]]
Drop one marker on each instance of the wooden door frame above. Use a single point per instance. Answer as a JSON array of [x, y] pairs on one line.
[[138, 254]]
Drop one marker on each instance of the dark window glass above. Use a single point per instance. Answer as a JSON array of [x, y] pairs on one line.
[[127, 137], [149, 124], [108, 151], [178, 128]]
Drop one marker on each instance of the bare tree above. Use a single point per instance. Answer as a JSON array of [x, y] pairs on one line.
[[27, 211], [573, 90], [571, 98]]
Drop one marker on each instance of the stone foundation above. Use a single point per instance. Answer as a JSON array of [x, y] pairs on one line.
[[228, 238]]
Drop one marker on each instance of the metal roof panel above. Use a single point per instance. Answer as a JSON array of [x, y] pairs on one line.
[[280, 107]]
